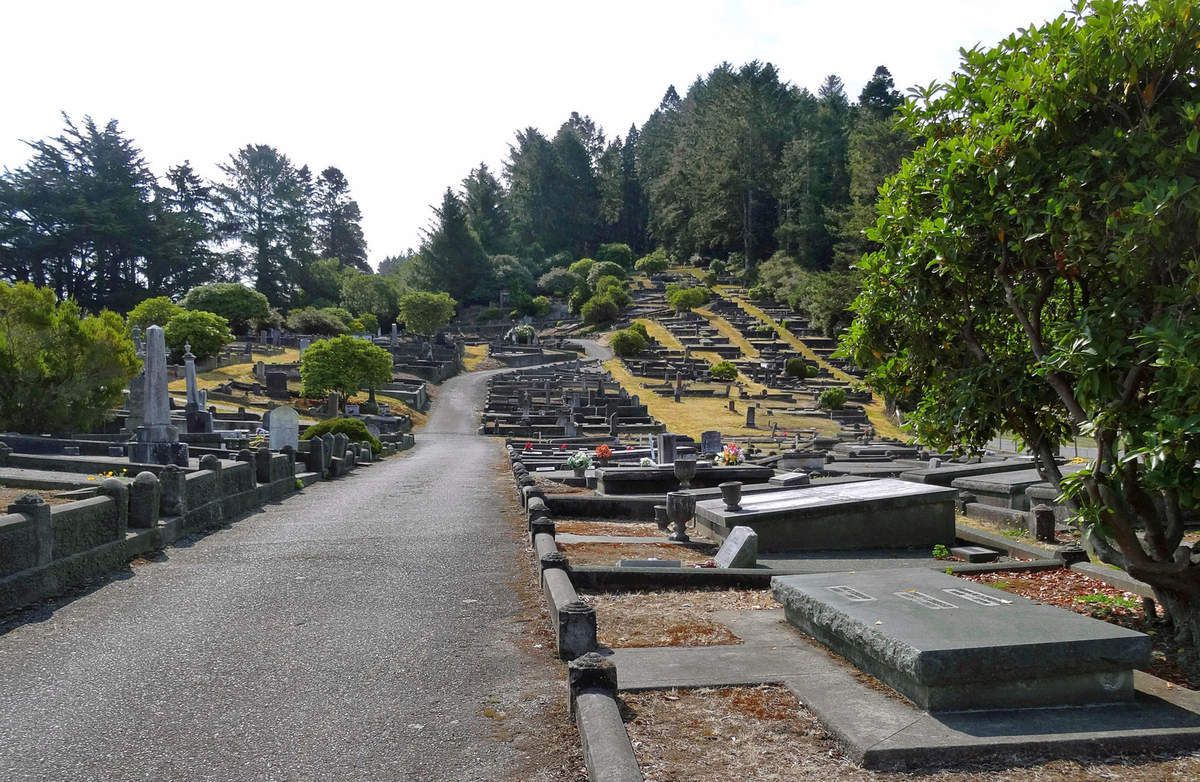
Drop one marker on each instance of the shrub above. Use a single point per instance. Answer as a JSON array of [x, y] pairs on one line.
[[369, 323], [233, 301], [152, 312], [628, 342], [723, 370], [206, 332], [344, 364], [832, 398], [610, 287], [310, 321], [653, 263], [558, 282], [60, 370], [540, 306], [685, 299], [353, 428], [796, 367], [640, 328], [581, 267], [620, 254], [599, 310], [604, 269]]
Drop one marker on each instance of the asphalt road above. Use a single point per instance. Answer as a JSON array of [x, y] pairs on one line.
[[356, 631]]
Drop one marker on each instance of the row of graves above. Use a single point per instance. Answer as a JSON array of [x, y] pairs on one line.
[[88, 502], [571, 401], [850, 572]]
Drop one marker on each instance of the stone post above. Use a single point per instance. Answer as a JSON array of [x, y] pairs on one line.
[[590, 671], [314, 460], [33, 506], [119, 492], [1041, 523], [4, 454], [144, 498], [262, 465], [172, 484]]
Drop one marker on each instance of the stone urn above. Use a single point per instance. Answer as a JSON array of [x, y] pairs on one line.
[[685, 470], [731, 492], [580, 472], [680, 509]]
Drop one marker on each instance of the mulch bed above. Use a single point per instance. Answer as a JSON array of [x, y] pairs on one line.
[[641, 529], [671, 618], [764, 734], [611, 553], [9, 495], [1076, 592]]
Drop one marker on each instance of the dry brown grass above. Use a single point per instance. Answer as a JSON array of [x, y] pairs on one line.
[[694, 415], [474, 356], [586, 527], [671, 618], [763, 734], [610, 553]]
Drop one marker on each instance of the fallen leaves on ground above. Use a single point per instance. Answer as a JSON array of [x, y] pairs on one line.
[[611, 553], [671, 618]]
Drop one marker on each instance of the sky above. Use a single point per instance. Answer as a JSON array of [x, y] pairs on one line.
[[407, 97]]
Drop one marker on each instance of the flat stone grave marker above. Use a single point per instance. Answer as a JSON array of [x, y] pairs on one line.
[[878, 514], [740, 549], [284, 427], [949, 644], [975, 553]]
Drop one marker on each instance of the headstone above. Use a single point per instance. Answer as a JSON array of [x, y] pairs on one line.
[[948, 644], [331, 405], [277, 385], [394, 337], [260, 371], [284, 426], [156, 441], [665, 448], [710, 441], [790, 479], [740, 549], [304, 343], [352, 409], [750, 416], [136, 402]]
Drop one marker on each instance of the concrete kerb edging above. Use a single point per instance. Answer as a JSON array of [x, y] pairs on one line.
[[1066, 555], [592, 695]]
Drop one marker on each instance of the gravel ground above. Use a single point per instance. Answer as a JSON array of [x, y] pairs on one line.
[[362, 630]]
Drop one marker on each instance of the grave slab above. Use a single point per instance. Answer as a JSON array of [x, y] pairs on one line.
[[740, 549], [885, 513], [951, 645]]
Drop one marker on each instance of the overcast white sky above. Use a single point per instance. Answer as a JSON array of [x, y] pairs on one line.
[[407, 98]]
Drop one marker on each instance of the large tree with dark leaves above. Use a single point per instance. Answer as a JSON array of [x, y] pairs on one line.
[[483, 197], [451, 258], [265, 214], [338, 221]]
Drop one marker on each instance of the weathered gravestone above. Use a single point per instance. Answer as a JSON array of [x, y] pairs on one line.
[[665, 448], [284, 425], [740, 549], [881, 514], [951, 645], [277, 385], [710, 442]]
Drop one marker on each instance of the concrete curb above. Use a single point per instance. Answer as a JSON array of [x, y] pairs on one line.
[[1016, 548], [592, 691]]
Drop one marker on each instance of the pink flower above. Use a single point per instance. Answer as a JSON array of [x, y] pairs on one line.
[[528, 446]]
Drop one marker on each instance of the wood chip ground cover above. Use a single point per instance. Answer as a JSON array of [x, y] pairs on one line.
[[1076, 592], [763, 734], [644, 529], [671, 618], [611, 553]]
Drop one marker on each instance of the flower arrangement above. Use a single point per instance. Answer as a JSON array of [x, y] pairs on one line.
[[580, 460], [528, 446], [603, 452], [729, 456], [645, 461]]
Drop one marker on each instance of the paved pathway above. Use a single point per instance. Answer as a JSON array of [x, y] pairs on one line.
[[354, 632]]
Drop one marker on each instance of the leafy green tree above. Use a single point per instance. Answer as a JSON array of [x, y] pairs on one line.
[[265, 212], [599, 310], [321, 282], [233, 301], [60, 370], [685, 299], [724, 371], [1039, 272], [369, 323], [604, 269], [426, 313], [155, 311], [344, 364], [373, 294], [206, 332], [185, 233], [613, 289], [832, 398], [627, 342], [616, 252], [653, 263]]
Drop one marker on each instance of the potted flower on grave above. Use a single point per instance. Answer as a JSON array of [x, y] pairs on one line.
[[580, 462], [730, 455], [603, 454]]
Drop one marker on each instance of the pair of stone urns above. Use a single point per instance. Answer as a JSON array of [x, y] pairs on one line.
[[681, 506]]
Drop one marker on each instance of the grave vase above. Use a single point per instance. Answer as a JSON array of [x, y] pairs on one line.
[[731, 492]]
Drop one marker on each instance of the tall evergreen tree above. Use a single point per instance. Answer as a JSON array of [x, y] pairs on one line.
[[879, 97], [451, 258], [487, 214], [264, 212], [338, 221], [575, 194], [185, 226]]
